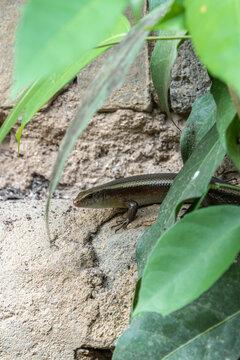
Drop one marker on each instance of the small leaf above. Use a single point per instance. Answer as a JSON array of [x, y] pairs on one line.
[[199, 122], [217, 39], [156, 337], [189, 258], [18, 137], [54, 34], [191, 182], [111, 76], [163, 58]]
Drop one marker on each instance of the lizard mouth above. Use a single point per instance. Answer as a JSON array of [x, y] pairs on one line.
[[75, 203]]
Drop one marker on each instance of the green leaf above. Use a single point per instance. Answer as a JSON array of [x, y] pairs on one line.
[[221, 343], [153, 336], [174, 18], [176, 23], [217, 39], [155, 3], [49, 87], [54, 34], [235, 99], [233, 141], [136, 6], [191, 182], [43, 90], [227, 122], [111, 76], [52, 84], [16, 112], [18, 137], [189, 258], [225, 108], [163, 58], [199, 122]]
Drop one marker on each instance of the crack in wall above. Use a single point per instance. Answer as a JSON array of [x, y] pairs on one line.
[[90, 353]]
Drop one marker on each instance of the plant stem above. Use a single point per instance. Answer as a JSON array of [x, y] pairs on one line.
[[217, 185], [149, 38], [183, 37]]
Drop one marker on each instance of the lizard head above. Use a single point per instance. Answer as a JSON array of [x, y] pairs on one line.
[[88, 199]]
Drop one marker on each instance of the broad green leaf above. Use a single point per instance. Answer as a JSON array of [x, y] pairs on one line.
[[54, 34], [191, 182], [215, 30], [43, 90], [153, 336], [111, 76], [199, 122], [163, 58], [220, 344], [189, 258], [233, 141]]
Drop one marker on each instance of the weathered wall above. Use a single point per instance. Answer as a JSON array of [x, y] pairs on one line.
[[56, 300], [72, 301]]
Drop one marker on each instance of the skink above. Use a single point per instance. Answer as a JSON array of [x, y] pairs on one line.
[[132, 192]]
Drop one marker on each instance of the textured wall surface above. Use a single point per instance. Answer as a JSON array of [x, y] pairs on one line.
[[189, 81], [9, 15], [58, 300]]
